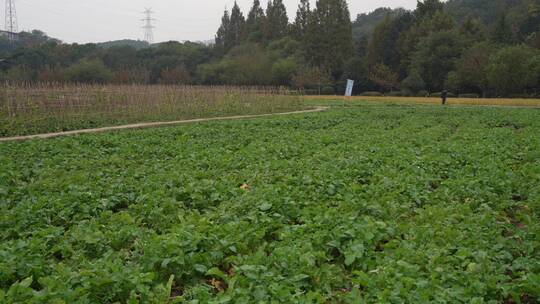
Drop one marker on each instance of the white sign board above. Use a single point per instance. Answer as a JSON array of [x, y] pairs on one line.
[[350, 84]]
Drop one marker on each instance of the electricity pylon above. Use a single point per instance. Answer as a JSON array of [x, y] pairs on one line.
[[148, 27], [11, 20]]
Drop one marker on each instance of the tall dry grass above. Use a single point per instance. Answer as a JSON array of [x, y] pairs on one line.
[[38, 108]]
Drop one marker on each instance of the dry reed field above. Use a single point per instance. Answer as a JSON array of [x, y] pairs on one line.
[[41, 108], [433, 100]]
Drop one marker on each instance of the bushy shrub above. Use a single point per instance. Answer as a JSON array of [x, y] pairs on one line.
[[283, 71], [311, 77], [17, 74], [311, 92], [512, 69], [372, 93], [89, 72], [413, 83], [395, 94], [422, 93], [519, 95], [469, 95], [438, 94], [328, 90], [177, 75]]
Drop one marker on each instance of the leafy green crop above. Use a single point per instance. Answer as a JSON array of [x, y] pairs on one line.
[[368, 204]]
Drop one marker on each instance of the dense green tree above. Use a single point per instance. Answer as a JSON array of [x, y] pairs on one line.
[[471, 69], [120, 57], [383, 46], [357, 68], [67, 55], [380, 48], [237, 25], [277, 22], [438, 22], [89, 71], [232, 30], [255, 23], [329, 41], [27, 40], [502, 33], [286, 47], [171, 55], [283, 71], [409, 39], [312, 78], [176, 75], [31, 58], [452, 82], [428, 8], [33, 39], [530, 27], [247, 64], [301, 22], [384, 77], [223, 36], [487, 11], [18, 73], [533, 75], [365, 23], [510, 21], [413, 83], [361, 47], [472, 30], [509, 70], [435, 58]]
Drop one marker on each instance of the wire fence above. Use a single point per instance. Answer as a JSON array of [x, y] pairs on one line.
[[31, 108]]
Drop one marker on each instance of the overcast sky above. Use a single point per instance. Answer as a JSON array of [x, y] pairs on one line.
[[103, 20]]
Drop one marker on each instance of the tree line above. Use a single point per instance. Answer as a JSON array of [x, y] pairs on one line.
[[469, 47]]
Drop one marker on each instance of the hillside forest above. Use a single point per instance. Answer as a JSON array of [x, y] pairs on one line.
[[472, 48]]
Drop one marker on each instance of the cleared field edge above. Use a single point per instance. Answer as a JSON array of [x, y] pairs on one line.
[[154, 124], [507, 102]]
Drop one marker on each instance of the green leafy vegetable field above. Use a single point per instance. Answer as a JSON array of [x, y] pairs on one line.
[[365, 204]]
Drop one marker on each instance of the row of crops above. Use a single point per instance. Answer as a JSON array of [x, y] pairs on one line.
[[366, 204]]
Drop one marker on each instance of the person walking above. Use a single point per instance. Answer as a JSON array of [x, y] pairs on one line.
[[444, 95]]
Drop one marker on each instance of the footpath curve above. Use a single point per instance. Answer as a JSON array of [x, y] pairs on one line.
[[153, 124]]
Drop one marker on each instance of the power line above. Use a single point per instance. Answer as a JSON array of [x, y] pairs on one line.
[[11, 20], [148, 27]]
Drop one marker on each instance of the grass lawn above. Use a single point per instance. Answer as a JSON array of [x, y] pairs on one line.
[[361, 204]]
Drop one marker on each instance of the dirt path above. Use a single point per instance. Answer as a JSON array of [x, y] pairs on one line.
[[153, 124]]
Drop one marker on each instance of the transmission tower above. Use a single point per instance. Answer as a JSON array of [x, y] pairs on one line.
[[148, 27], [11, 20]]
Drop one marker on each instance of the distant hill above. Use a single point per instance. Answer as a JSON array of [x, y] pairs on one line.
[[487, 10], [522, 16], [137, 44], [365, 23], [24, 40]]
